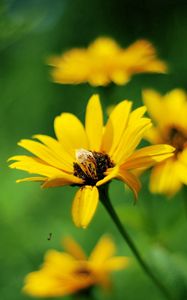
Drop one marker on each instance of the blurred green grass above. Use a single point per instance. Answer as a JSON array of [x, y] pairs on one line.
[[29, 103]]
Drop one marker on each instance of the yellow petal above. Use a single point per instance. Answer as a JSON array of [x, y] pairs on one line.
[[94, 123], [58, 151], [154, 104], [175, 99], [33, 165], [110, 174], [148, 156], [98, 79], [120, 77], [182, 157], [42, 284], [117, 263], [72, 247], [70, 132], [175, 107], [103, 46], [104, 250], [115, 126], [55, 261], [164, 178], [168, 110], [135, 124], [39, 179], [63, 179], [39, 284], [130, 139], [141, 57], [181, 166], [44, 153], [72, 67], [182, 172], [137, 114], [84, 205], [153, 135], [131, 180], [50, 280]]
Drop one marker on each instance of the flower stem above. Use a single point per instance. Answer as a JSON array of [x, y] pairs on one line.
[[84, 294], [184, 190], [104, 198], [106, 91]]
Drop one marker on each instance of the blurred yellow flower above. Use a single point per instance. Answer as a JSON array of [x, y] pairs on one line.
[[104, 61], [92, 156], [170, 115], [70, 272]]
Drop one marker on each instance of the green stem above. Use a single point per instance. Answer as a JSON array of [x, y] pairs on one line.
[[106, 91], [84, 294], [107, 204], [184, 194]]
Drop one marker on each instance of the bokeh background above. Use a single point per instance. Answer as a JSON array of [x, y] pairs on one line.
[[30, 31]]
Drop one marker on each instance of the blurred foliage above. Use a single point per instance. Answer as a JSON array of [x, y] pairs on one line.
[[30, 31]]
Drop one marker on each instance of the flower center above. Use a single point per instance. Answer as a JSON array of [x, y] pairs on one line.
[[177, 138], [83, 271], [91, 165]]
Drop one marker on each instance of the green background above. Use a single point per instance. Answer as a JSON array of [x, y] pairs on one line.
[[30, 31]]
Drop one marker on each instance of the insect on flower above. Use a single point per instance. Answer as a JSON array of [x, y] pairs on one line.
[[91, 156]]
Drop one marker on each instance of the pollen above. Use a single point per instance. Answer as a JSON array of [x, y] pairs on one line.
[[91, 165]]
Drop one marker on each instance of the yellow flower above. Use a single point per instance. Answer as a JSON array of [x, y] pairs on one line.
[[92, 156], [170, 115], [104, 61], [69, 272]]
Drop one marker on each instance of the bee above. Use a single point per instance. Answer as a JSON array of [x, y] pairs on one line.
[[87, 163]]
